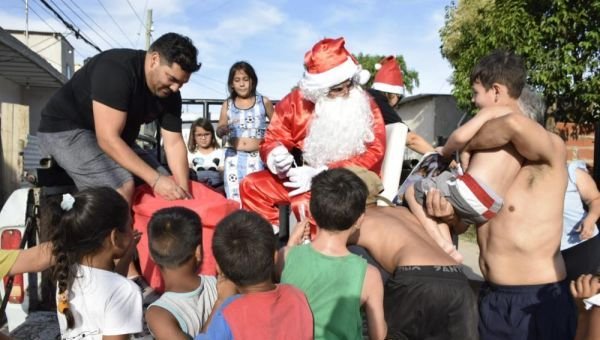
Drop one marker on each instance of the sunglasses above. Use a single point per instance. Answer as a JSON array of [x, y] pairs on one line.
[[338, 89]]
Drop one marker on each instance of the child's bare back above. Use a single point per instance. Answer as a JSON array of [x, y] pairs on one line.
[[496, 168], [395, 238]]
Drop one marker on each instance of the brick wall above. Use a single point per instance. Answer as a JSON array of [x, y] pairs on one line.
[[579, 139]]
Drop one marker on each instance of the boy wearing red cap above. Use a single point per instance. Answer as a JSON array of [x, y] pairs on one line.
[[387, 90]]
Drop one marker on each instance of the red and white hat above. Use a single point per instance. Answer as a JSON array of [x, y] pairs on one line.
[[389, 77], [328, 63]]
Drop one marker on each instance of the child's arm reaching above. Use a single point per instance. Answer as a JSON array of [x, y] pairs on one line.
[[301, 233], [122, 265], [35, 259], [462, 135]]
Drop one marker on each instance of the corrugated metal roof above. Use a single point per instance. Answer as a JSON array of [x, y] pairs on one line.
[[18, 63]]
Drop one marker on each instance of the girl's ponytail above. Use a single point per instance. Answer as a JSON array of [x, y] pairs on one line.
[[63, 275], [80, 225], [63, 268]]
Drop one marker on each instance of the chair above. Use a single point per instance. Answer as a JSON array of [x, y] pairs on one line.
[[392, 160]]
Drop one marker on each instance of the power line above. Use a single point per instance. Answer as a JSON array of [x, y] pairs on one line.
[[195, 81], [85, 23], [69, 18], [142, 25], [95, 23], [61, 11], [134, 12], [70, 26], [117, 24]]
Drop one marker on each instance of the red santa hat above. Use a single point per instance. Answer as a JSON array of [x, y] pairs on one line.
[[328, 63], [389, 77]]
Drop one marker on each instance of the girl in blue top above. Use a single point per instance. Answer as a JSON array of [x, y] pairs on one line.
[[243, 120]]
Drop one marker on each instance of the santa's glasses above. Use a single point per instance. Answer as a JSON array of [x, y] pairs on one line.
[[340, 89]]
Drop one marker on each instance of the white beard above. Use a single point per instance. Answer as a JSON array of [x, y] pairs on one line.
[[340, 128]]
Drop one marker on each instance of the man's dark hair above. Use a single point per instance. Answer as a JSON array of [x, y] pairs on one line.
[[176, 48], [502, 67], [173, 236], [244, 246], [338, 198]]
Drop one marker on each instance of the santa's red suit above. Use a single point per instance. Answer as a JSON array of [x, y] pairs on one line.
[[262, 191]]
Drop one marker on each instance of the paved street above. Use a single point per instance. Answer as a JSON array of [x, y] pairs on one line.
[[470, 251]]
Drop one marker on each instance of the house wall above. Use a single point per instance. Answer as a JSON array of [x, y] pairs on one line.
[[36, 98], [579, 139], [433, 117], [418, 115], [52, 47], [9, 91]]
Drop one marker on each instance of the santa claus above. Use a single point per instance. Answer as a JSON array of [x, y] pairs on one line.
[[327, 122]]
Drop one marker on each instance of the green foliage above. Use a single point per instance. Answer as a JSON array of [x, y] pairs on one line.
[[559, 39], [411, 77]]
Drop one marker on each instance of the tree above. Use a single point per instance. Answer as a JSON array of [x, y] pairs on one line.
[[559, 39], [367, 61]]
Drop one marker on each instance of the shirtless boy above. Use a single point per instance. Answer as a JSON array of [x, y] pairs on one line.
[[525, 295], [428, 296], [477, 195]]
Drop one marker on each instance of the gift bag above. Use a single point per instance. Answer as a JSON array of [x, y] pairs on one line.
[[209, 205]]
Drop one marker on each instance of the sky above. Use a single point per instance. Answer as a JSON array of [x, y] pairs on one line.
[[272, 35]]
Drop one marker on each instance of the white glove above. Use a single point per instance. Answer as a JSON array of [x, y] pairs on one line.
[[279, 161], [300, 179]]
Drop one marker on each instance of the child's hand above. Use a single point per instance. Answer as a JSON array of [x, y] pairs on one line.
[[136, 235], [301, 233], [440, 150], [465, 158], [222, 130], [585, 286]]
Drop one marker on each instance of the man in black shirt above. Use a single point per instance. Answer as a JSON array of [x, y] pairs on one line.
[[90, 125]]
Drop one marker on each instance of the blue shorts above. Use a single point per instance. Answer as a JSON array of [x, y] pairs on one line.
[[529, 312]]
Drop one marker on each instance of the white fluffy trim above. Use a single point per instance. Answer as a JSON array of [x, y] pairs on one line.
[[383, 87], [334, 76]]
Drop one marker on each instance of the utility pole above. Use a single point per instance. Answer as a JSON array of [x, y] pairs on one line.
[[27, 22], [150, 129], [148, 28]]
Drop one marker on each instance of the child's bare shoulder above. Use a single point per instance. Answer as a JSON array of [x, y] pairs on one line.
[[494, 111]]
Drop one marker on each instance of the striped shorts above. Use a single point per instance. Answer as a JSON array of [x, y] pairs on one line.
[[472, 200]]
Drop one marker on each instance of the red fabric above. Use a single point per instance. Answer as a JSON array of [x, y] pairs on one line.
[[389, 73], [282, 313], [290, 123], [209, 205], [480, 193], [261, 191], [325, 55]]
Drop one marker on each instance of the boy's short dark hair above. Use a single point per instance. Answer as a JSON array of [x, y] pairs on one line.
[[502, 67], [176, 48], [338, 198], [244, 246], [173, 236]]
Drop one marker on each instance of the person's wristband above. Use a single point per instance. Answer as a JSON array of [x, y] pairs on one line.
[[156, 181]]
